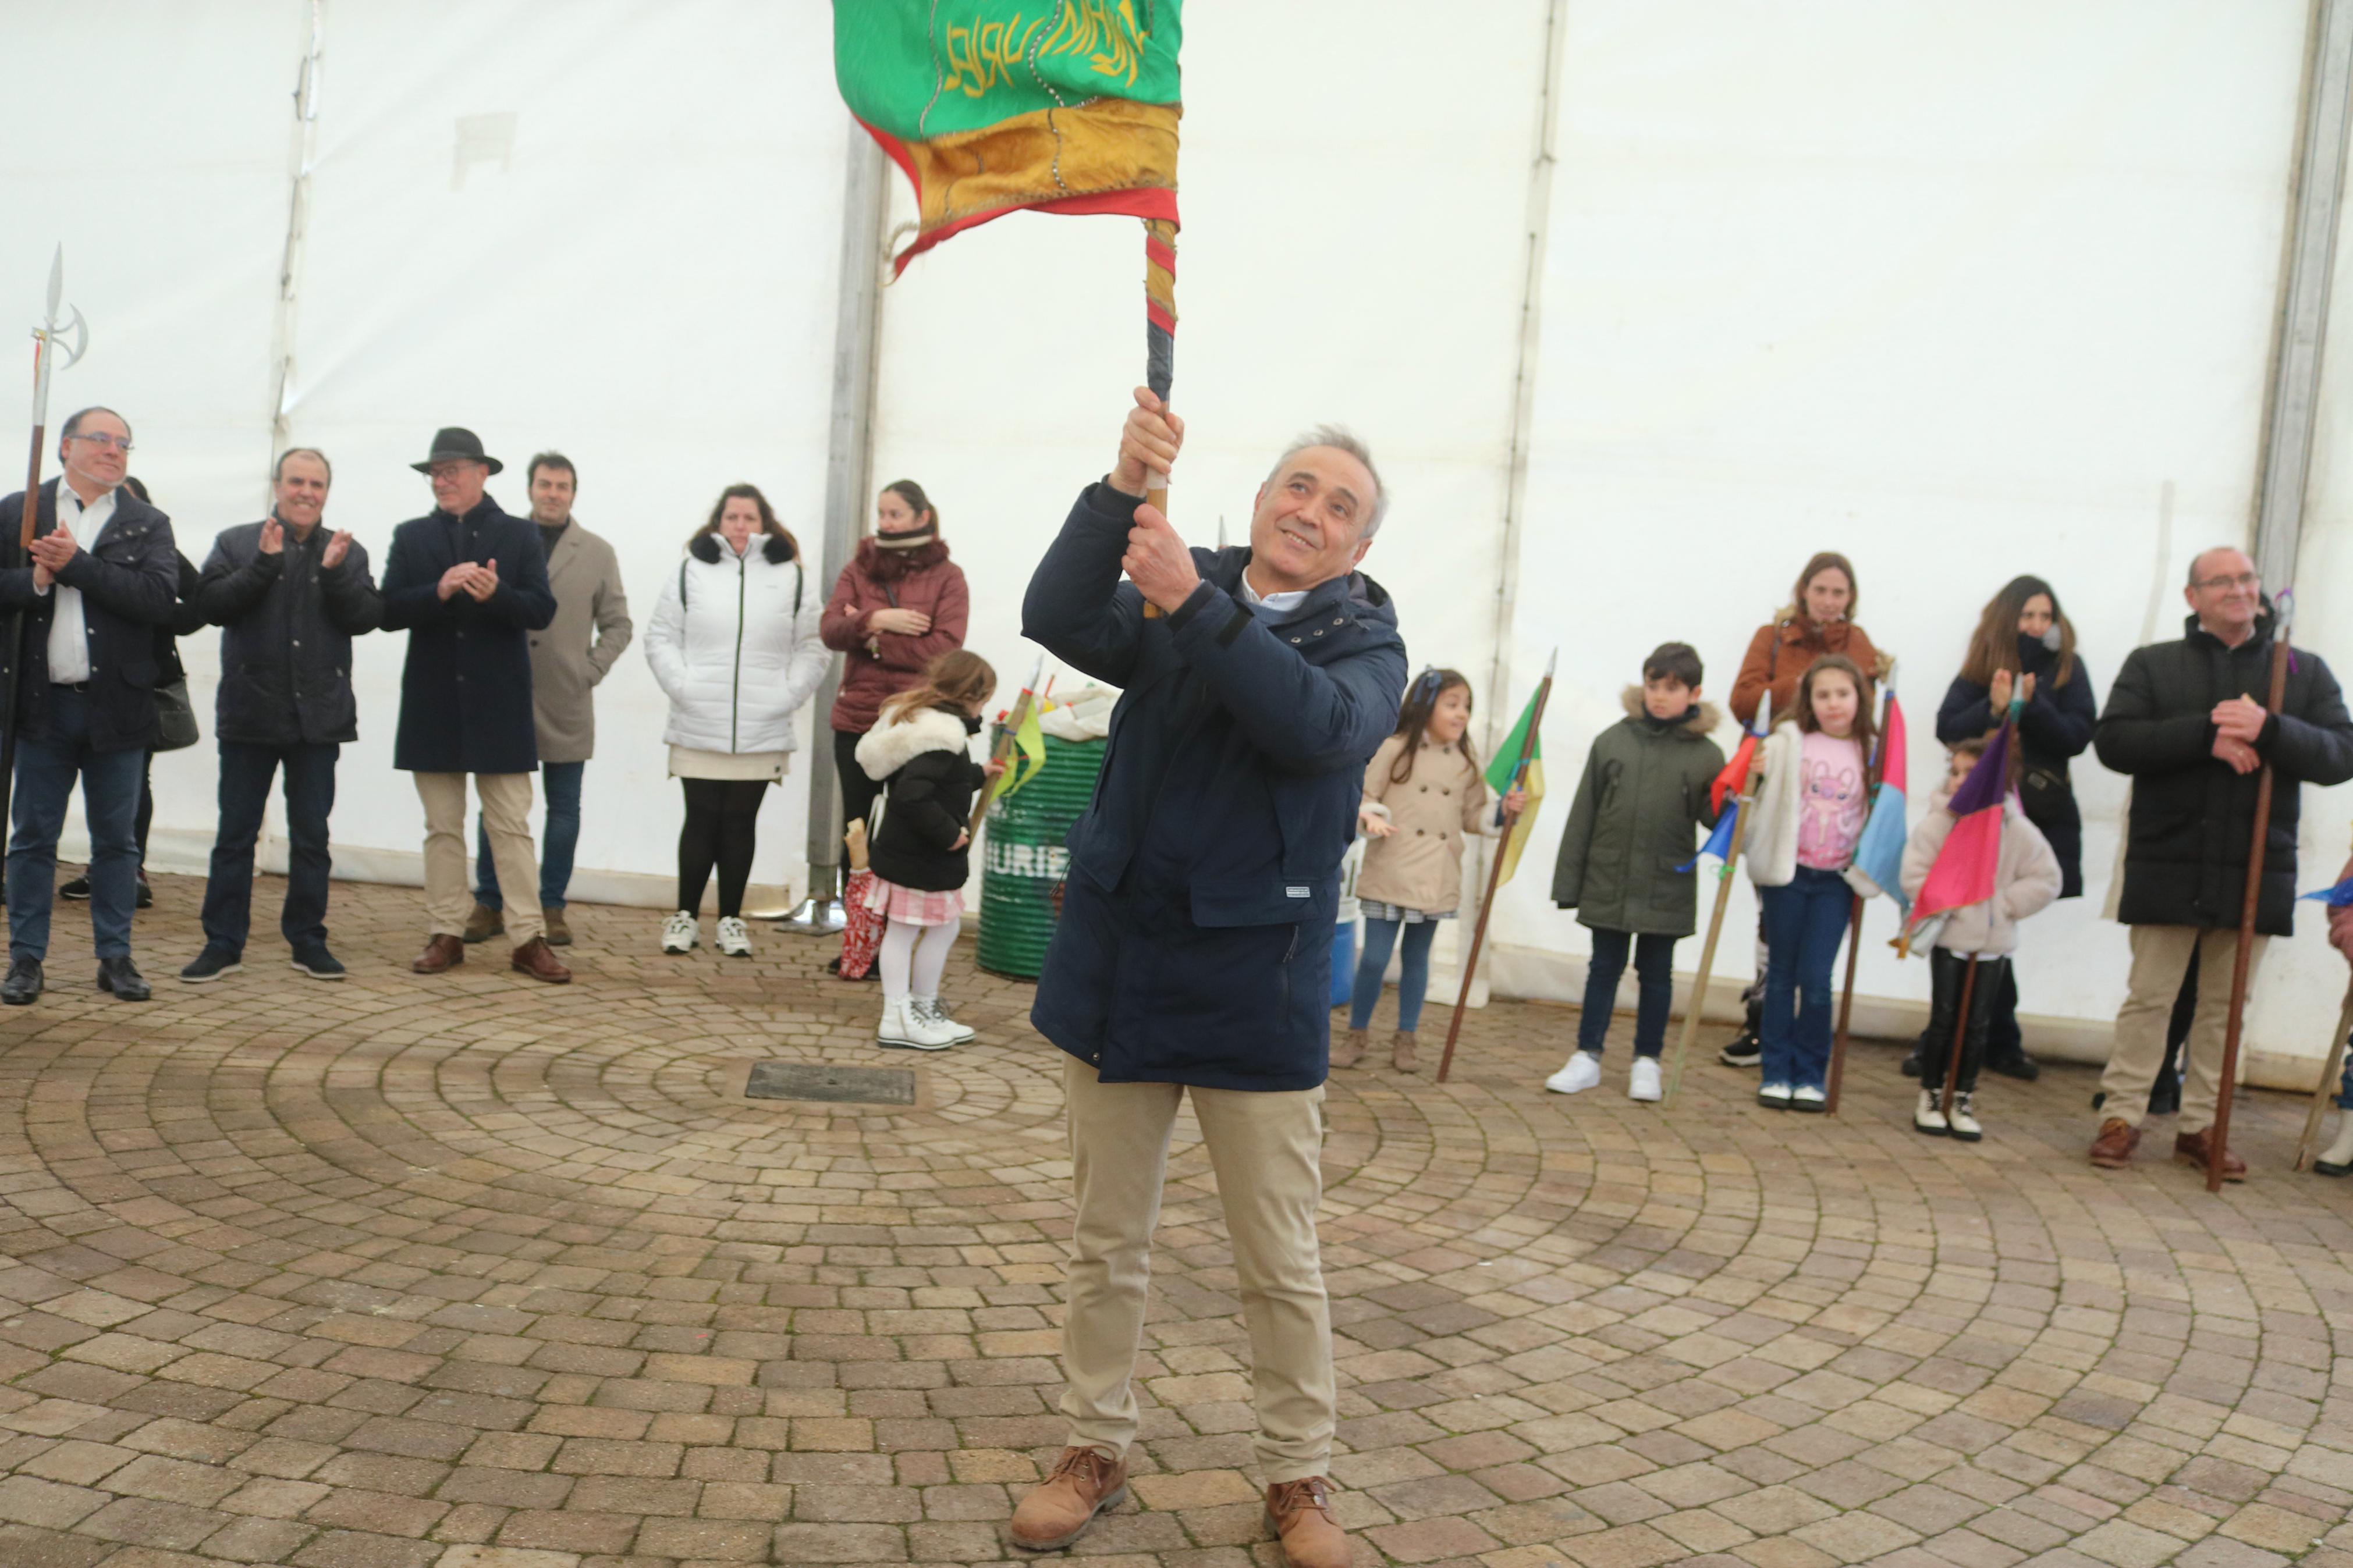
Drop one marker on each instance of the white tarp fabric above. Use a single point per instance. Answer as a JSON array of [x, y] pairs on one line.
[[1963, 292]]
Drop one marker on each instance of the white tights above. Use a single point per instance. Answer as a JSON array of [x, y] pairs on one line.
[[913, 958]]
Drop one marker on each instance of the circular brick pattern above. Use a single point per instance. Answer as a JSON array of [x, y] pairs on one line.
[[471, 1273]]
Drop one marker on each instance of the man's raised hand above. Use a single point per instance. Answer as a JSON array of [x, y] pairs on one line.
[[1148, 445], [1157, 560], [273, 537], [338, 544], [484, 582]]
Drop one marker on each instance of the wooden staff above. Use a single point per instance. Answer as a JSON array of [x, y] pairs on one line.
[[1741, 802], [1960, 1032], [1503, 851], [1877, 772], [1002, 752], [2331, 1066], [2218, 1137]]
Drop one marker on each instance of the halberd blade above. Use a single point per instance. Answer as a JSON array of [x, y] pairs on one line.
[[56, 282]]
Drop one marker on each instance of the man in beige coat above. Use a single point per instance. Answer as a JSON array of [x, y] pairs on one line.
[[568, 659]]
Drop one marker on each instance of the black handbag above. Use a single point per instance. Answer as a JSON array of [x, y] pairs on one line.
[[175, 718]]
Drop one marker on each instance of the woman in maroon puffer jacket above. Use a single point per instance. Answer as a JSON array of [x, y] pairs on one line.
[[900, 603]]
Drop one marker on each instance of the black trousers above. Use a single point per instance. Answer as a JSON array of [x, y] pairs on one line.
[[1947, 971], [858, 791], [722, 817]]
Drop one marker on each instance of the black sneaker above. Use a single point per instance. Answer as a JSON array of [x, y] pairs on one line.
[[211, 965], [318, 962], [23, 983], [1743, 1052], [77, 888], [2014, 1064]]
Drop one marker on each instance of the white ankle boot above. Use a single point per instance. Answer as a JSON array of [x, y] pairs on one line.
[[1963, 1122], [2337, 1160], [905, 1027], [929, 1006], [1929, 1117]]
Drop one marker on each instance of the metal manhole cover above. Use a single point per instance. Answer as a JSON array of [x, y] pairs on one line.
[[857, 1086]]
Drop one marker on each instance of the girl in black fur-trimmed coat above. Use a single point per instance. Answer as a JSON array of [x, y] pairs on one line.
[[918, 841]]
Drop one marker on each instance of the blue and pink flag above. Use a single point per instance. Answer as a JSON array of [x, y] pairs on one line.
[[1965, 868], [1878, 854]]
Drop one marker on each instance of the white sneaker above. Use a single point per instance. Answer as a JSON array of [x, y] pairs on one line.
[[680, 932], [1644, 1082], [902, 1026], [1773, 1096], [1583, 1071], [1963, 1122], [1806, 1096], [735, 937], [1929, 1115], [929, 1006], [2338, 1158]]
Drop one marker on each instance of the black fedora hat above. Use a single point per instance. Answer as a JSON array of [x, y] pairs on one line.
[[456, 443]]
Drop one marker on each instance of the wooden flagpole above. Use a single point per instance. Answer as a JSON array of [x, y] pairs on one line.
[[2332, 1065], [1159, 343], [1503, 851], [1878, 772], [2218, 1137], [1741, 805], [1960, 1032]]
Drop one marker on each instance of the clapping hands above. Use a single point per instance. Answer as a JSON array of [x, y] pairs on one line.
[[475, 580]]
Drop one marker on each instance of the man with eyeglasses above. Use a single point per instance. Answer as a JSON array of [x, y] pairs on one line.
[[103, 575], [2186, 721], [468, 584]]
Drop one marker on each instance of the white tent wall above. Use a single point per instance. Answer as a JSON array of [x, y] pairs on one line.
[[1962, 292]]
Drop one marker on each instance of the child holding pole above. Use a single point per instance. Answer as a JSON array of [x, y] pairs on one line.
[[1626, 862], [1809, 816], [2027, 879]]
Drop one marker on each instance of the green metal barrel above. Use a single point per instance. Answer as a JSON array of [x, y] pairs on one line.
[[1023, 861]]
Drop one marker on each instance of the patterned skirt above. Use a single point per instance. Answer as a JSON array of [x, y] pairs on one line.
[[913, 906], [1374, 910]]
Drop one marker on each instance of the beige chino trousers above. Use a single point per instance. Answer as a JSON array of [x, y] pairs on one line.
[[1264, 1148], [2161, 955], [506, 814]]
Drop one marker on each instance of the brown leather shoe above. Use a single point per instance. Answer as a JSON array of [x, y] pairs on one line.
[[559, 934], [538, 960], [2112, 1149], [1084, 1483], [484, 923], [1348, 1049], [1401, 1055], [441, 955], [1300, 1514], [2198, 1149]]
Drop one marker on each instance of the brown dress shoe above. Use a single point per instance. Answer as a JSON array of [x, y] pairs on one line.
[[1401, 1055], [538, 960], [440, 954], [2112, 1149], [2198, 1149], [559, 934], [1084, 1483], [1300, 1514], [484, 923], [1348, 1049]]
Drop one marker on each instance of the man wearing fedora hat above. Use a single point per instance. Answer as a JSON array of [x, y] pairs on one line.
[[468, 584]]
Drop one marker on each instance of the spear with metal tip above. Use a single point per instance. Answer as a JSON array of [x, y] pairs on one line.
[[48, 338]]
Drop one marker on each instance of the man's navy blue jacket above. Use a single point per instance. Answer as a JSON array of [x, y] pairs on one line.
[[130, 585], [465, 692], [1195, 945]]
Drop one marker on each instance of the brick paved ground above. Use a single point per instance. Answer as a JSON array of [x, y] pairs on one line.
[[477, 1274]]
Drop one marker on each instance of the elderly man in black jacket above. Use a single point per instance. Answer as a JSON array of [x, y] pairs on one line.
[[289, 595], [104, 575], [2186, 721], [467, 583], [1194, 955]]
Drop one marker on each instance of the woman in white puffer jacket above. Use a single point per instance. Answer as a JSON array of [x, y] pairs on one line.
[[735, 646]]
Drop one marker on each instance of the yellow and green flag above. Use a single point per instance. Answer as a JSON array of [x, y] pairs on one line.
[[1504, 772], [998, 106], [1030, 741]]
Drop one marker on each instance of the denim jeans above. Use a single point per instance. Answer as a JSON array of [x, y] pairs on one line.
[[46, 766], [1804, 923], [1654, 992], [246, 774], [561, 784], [1413, 979]]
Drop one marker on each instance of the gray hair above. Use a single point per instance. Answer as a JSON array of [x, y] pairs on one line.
[[2199, 559], [1340, 439], [73, 421], [278, 470]]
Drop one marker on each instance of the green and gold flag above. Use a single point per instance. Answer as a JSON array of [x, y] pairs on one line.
[[995, 106]]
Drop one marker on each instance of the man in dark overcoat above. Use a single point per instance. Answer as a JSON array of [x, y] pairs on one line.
[[2187, 720], [105, 573], [468, 584], [1194, 954]]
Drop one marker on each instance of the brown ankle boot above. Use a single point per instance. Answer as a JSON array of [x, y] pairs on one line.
[[1084, 1483], [1300, 1514], [1401, 1055], [1348, 1049], [559, 934], [483, 923]]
